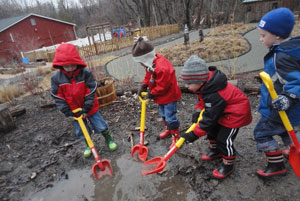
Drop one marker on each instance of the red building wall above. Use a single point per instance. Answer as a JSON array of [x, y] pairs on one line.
[[24, 36]]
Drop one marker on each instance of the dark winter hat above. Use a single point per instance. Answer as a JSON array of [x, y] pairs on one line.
[[279, 22], [143, 52], [195, 70]]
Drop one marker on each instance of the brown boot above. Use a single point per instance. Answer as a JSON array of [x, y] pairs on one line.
[[165, 133], [175, 137]]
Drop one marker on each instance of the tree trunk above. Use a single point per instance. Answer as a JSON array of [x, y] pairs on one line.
[[7, 122]]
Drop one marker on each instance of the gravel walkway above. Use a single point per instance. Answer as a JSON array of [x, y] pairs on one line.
[[124, 67]]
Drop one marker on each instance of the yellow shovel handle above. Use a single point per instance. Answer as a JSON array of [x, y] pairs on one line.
[[192, 127], [269, 84], [143, 111], [83, 128]]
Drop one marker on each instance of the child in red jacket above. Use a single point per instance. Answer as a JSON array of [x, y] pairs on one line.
[[72, 87], [226, 110], [161, 79]]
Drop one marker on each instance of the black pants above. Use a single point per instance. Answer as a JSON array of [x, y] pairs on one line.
[[224, 138]]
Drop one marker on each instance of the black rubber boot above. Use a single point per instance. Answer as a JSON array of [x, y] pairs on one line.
[[275, 165], [226, 167], [212, 153]]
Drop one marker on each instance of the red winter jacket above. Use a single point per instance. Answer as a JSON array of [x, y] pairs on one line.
[[224, 104], [76, 89], [162, 82]]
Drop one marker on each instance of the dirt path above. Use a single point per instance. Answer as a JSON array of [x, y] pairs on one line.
[[43, 151]]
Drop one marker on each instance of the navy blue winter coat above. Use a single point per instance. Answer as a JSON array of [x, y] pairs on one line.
[[282, 63]]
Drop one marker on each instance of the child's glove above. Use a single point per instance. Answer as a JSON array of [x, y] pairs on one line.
[[282, 103], [149, 96], [70, 114], [195, 117], [143, 88], [83, 113], [189, 137]]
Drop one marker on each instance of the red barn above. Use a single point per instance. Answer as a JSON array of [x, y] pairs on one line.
[[29, 32]]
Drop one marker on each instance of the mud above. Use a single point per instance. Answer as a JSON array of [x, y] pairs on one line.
[[42, 159]]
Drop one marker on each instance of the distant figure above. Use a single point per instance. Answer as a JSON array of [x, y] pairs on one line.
[[186, 36], [201, 35]]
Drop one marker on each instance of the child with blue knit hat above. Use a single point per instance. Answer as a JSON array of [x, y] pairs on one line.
[[226, 110], [282, 63]]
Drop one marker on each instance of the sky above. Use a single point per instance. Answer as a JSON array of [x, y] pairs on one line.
[[33, 2]]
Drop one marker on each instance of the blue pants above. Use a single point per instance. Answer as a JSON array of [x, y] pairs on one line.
[[97, 122], [264, 131], [168, 113]]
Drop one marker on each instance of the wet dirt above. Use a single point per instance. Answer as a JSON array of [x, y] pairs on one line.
[[42, 159]]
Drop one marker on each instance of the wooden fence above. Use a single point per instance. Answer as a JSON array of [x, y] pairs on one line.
[[108, 45]]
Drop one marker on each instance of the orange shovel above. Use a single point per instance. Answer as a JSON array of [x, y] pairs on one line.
[[294, 156], [158, 163], [141, 149], [101, 167]]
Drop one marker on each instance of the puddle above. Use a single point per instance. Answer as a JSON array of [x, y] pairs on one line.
[[127, 184]]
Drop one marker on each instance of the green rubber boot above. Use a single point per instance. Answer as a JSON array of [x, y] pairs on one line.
[[87, 152], [109, 141]]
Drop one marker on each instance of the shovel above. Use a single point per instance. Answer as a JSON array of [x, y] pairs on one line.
[[158, 163], [101, 167], [141, 149], [294, 156]]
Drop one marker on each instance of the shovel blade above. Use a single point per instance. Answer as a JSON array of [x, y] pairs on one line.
[[294, 160], [141, 150], [154, 165], [102, 168]]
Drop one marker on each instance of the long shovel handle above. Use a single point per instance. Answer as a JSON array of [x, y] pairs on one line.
[[181, 140], [269, 84], [83, 128]]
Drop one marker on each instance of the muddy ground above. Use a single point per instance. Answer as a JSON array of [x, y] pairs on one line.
[[43, 149]]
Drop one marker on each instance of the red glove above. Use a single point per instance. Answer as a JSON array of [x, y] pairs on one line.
[[199, 132]]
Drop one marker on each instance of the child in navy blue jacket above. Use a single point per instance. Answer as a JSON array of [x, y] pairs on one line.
[[282, 63]]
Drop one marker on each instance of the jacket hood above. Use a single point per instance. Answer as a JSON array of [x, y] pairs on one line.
[[67, 54], [217, 80]]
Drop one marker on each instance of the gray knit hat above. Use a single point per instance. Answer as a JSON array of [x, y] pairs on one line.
[[143, 52], [195, 70]]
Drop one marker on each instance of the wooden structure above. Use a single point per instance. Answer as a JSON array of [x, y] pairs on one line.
[[255, 9], [29, 32], [114, 44]]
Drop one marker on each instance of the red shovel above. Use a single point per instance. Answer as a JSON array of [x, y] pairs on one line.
[[101, 167], [294, 155], [158, 163], [141, 149]]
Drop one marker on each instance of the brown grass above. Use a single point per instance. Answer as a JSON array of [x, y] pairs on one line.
[[8, 93], [296, 30], [237, 28], [212, 48]]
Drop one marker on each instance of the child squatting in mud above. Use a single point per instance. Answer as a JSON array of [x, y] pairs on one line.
[[226, 109], [72, 87]]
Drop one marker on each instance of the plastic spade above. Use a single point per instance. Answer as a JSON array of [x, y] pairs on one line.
[[101, 167], [141, 149], [157, 164], [294, 156]]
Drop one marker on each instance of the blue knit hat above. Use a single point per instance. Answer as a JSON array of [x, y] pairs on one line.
[[279, 22]]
